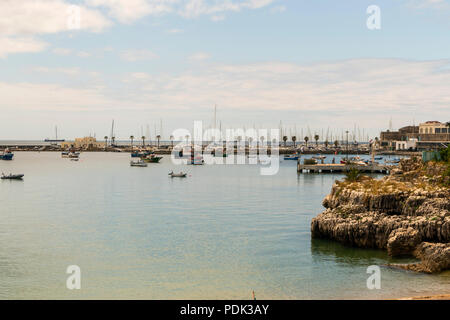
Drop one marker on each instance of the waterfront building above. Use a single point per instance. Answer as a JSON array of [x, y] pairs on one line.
[[430, 134], [433, 127], [83, 143], [410, 144]]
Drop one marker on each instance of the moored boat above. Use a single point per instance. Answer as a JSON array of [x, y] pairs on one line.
[[139, 163], [151, 159], [6, 155], [291, 157], [177, 175], [12, 176]]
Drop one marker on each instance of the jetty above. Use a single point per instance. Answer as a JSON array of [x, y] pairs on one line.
[[342, 168]]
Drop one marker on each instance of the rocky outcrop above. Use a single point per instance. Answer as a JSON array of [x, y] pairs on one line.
[[435, 257], [403, 241], [405, 213]]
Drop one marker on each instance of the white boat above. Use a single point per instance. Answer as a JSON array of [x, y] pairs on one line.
[[177, 175], [12, 176], [139, 163]]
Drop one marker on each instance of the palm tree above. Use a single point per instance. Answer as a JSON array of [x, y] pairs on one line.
[[106, 141], [143, 141], [171, 141], [336, 143], [294, 138], [131, 138], [306, 141], [113, 139], [326, 143], [316, 137], [158, 137], [285, 139]]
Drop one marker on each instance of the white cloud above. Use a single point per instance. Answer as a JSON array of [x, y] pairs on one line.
[[11, 45], [62, 51], [137, 55], [41, 97], [370, 90], [67, 71], [127, 11], [200, 56], [195, 8], [83, 54], [31, 17], [21, 21]]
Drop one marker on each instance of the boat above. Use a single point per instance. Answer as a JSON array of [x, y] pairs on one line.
[[177, 175], [74, 159], [12, 176], [140, 154], [378, 158], [69, 154], [151, 159], [291, 157], [319, 157], [6, 155], [393, 161], [139, 163]]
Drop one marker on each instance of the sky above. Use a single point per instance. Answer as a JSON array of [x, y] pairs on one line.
[[307, 63]]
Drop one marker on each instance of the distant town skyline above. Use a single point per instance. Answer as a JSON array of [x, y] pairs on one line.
[[140, 62]]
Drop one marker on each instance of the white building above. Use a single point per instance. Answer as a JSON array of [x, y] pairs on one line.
[[410, 144]]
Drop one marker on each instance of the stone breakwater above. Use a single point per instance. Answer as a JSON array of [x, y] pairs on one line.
[[405, 213]]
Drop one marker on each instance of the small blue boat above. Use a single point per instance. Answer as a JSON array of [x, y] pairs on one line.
[[6, 155], [291, 157]]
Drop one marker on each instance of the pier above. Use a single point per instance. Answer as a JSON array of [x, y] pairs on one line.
[[342, 168]]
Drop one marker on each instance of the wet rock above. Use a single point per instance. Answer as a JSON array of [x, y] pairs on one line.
[[403, 241], [435, 257]]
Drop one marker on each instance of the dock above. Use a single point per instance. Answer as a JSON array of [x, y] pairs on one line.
[[342, 168]]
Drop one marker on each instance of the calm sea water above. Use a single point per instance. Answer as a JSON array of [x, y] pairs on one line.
[[138, 234]]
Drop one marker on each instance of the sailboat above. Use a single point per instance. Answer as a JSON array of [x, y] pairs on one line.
[[56, 137]]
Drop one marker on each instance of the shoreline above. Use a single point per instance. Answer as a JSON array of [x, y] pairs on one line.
[[427, 297]]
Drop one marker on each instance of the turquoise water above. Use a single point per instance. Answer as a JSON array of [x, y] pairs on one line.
[[138, 234]]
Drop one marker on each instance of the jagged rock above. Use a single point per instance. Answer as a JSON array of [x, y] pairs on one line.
[[435, 257], [403, 241], [395, 213]]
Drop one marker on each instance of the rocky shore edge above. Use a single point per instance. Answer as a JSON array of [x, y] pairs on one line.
[[406, 213]]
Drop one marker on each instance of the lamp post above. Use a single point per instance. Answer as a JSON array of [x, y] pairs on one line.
[[347, 145]]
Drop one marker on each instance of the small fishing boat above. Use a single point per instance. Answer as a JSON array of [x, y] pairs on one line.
[[177, 175], [151, 159], [378, 158], [6, 155], [393, 161], [12, 176], [74, 159], [319, 157], [291, 157], [140, 154], [139, 163]]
